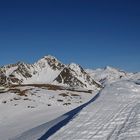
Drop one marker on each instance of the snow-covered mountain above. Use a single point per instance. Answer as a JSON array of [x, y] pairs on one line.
[[43, 71], [108, 74], [47, 70]]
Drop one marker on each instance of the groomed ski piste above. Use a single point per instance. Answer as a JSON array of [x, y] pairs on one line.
[[113, 114]]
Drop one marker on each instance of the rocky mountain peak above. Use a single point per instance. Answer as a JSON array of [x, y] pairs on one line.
[[54, 63], [50, 57], [20, 63]]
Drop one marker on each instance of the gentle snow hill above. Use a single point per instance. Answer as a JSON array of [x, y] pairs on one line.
[[108, 75], [47, 70]]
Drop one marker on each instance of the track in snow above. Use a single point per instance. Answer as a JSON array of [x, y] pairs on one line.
[[114, 116]]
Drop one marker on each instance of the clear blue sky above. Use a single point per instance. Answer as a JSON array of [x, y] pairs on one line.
[[93, 33]]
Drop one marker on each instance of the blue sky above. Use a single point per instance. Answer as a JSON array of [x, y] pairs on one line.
[[93, 33]]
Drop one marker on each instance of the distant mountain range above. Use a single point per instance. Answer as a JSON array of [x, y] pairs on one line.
[[108, 75], [47, 70]]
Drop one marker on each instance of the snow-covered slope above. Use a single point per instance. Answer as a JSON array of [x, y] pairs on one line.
[[114, 115], [108, 74], [25, 107]]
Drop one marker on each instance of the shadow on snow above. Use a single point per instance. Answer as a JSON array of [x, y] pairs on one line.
[[70, 115]]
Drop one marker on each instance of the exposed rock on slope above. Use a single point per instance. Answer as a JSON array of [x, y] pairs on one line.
[[75, 76]]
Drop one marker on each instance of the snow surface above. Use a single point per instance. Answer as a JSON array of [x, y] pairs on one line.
[[114, 115], [52, 126], [46, 75], [21, 113]]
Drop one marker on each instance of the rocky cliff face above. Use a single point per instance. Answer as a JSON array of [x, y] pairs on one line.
[[67, 77], [75, 76]]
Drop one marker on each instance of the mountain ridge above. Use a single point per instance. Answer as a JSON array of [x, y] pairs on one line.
[[47, 70]]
